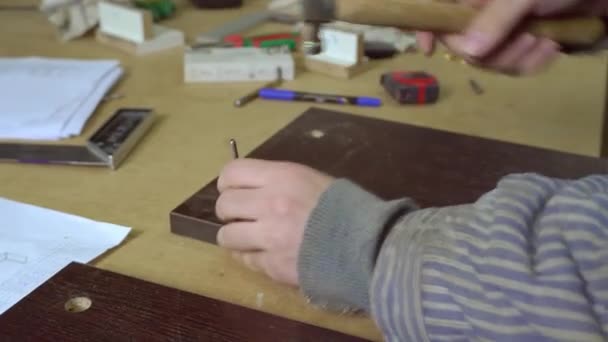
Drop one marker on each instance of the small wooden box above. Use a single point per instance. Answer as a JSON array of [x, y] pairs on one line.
[[342, 54]]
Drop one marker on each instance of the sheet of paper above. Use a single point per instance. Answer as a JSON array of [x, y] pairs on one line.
[[51, 99], [69, 120], [36, 243]]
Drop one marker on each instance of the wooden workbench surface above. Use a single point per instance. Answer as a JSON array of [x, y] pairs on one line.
[[561, 109]]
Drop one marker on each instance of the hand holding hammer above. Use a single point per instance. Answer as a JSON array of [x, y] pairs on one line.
[[475, 28]]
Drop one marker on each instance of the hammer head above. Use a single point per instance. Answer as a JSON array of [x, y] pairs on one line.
[[314, 14], [321, 11]]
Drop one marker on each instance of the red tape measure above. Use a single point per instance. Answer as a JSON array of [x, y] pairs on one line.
[[411, 87]]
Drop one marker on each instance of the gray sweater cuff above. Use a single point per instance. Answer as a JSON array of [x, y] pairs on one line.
[[341, 243]]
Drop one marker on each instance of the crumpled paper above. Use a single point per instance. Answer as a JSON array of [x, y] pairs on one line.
[[73, 18]]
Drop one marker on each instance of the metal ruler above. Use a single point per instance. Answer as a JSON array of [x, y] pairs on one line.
[[237, 26], [108, 147]]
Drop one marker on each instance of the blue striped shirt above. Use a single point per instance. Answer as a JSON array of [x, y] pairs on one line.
[[526, 262]]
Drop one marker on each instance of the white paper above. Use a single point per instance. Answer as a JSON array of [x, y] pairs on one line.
[[36, 243], [51, 99]]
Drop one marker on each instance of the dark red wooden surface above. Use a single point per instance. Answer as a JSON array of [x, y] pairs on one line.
[[127, 309], [393, 160]]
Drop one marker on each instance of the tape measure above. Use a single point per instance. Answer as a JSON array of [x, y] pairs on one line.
[[411, 87], [108, 146]]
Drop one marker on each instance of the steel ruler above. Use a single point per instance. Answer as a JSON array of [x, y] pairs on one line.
[[108, 147]]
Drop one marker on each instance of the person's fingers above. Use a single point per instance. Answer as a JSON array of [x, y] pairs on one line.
[[475, 3], [454, 43], [508, 58], [250, 259], [526, 54], [548, 7], [247, 173], [545, 52], [592, 7], [425, 42], [492, 25], [276, 267], [237, 255], [240, 204], [243, 236], [254, 261]]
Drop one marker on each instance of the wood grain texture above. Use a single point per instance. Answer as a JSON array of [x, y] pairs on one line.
[[392, 160], [452, 17], [128, 309]]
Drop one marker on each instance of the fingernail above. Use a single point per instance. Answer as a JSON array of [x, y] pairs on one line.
[[475, 44]]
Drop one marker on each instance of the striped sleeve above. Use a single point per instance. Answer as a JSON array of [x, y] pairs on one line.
[[526, 262]]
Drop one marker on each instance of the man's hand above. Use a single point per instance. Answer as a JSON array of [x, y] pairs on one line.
[[489, 41], [266, 206]]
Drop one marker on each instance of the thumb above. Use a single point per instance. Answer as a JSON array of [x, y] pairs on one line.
[[425, 42], [493, 24]]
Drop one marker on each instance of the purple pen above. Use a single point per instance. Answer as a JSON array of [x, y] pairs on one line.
[[290, 95]]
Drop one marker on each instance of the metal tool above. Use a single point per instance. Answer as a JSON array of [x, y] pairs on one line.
[[436, 16], [476, 87], [238, 26], [255, 94], [289, 40], [235, 150], [109, 146], [113, 97]]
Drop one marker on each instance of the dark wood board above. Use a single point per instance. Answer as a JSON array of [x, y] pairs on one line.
[[393, 160], [126, 309]]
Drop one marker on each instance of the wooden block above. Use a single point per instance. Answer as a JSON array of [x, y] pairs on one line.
[[164, 38], [122, 308], [237, 65], [392, 160], [342, 54], [333, 69], [128, 23], [195, 217]]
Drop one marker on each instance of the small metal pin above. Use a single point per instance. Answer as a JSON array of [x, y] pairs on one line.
[[254, 95], [235, 150], [113, 97], [476, 87]]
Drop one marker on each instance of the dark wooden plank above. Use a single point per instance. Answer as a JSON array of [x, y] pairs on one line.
[[393, 160], [127, 309]]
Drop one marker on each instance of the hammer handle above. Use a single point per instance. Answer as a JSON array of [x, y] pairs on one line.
[[450, 17]]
